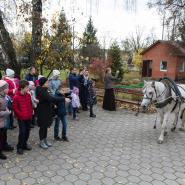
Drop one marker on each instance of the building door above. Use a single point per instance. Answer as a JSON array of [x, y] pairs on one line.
[[147, 68]]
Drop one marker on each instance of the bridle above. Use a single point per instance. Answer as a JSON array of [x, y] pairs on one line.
[[157, 95]]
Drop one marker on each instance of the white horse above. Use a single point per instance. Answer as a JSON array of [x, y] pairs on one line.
[[165, 101]]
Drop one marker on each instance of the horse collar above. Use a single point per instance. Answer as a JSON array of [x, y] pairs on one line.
[[163, 103]]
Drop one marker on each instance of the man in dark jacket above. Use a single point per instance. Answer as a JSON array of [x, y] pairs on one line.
[[31, 76], [73, 78]]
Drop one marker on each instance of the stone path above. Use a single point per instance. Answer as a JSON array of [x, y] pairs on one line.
[[114, 148]]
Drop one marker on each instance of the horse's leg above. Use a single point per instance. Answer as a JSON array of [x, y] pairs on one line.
[[161, 114], [175, 121], [163, 128], [182, 118]]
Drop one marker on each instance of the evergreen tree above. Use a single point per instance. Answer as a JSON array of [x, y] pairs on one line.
[[90, 47], [115, 57], [62, 42], [56, 48]]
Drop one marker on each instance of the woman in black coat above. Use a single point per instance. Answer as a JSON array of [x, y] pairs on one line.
[[109, 97], [45, 110]]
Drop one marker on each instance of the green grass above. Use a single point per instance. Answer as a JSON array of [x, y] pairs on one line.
[[131, 75]]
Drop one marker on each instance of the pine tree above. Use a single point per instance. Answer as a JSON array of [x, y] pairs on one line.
[[62, 41], [115, 57], [90, 47]]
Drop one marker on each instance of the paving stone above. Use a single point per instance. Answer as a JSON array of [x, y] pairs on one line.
[[71, 178], [84, 177], [29, 181], [13, 182], [171, 182], [108, 181], [156, 182]]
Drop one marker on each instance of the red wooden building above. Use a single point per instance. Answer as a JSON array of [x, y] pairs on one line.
[[164, 58]]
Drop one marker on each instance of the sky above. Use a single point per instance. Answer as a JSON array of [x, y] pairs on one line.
[[110, 17]]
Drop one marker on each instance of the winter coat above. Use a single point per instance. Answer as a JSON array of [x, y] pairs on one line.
[[75, 100], [108, 80], [22, 106], [61, 107], [91, 95], [45, 106], [54, 84], [83, 90], [4, 113], [13, 84], [73, 81], [30, 77]]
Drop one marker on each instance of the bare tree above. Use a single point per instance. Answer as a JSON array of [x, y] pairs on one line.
[[174, 11], [7, 46], [137, 40]]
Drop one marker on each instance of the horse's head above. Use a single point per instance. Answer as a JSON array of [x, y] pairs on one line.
[[149, 94]]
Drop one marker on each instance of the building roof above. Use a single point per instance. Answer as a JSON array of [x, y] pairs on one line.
[[176, 47]]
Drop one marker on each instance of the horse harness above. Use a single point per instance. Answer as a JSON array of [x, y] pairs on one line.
[[168, 100]]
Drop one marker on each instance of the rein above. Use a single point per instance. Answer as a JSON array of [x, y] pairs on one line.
[[160, 104]]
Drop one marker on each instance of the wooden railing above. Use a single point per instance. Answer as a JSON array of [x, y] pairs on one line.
[[137, 93]]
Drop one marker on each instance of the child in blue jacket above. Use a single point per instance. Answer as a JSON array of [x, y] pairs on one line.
[[61, 115]]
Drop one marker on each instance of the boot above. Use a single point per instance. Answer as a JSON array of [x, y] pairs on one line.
[[2, 156], [43, 145], [47, 143], [8, 148], [92, 115]]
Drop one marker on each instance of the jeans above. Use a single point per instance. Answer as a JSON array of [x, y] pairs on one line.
[[74, 112], [63, 119], [69, 108], [24, 132]]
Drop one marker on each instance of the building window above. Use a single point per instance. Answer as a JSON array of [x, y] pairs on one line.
[[163, 66], [181, 67]]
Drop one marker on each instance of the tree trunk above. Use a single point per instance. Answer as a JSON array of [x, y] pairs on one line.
[[7, 47], [36, 29]]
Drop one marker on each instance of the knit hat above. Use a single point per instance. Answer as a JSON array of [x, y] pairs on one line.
[[31, 84], [9, 72], [3, 85], [42, 81], [75, 90], [40, 76], [56, 72]]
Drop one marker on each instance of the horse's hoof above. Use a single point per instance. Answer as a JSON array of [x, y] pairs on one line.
[[159, 141], [182, 129], [154, 127], [165, 133], [173, 129]]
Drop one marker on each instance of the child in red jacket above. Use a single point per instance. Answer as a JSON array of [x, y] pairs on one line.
[[22, 106]]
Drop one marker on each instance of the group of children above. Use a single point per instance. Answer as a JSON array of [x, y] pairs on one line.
[[39, 99]]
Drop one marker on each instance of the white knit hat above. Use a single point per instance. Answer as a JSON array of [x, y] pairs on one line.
[[40, 76], [56, 72], [9, 72]]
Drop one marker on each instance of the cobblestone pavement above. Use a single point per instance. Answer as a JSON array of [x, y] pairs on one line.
[[114, 148]]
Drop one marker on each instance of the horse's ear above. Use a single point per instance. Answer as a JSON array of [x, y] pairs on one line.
[[153, 84], [145, 82]]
